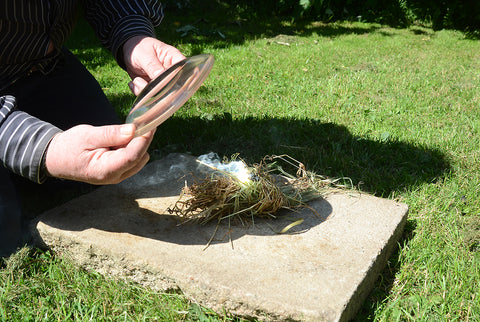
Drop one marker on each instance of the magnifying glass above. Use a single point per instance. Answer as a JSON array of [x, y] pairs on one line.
[[164, 95]]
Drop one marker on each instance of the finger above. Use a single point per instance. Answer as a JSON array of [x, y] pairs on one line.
[[153, 67], [116, 164], [135, 169], [149, 135], [127, 157], [137, 85], [169, 55], [176, 56], [166, 57], [139, 149]]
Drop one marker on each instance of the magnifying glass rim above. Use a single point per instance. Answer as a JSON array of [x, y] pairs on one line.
[[205, 64]]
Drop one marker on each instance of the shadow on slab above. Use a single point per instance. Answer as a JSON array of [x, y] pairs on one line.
[[168, 228], [139, 207]]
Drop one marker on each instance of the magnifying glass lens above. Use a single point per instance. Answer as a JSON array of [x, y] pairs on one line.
[[164, 95]]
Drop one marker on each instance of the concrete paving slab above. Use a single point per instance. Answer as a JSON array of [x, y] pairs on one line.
[[322, 270]]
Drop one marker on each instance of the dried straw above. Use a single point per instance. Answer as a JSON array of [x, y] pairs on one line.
[[222, 195]]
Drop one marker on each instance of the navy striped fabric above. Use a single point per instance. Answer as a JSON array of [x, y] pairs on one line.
[[23, 139], [29, 30]]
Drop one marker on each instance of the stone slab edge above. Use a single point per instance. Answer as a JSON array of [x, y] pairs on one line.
[[366, 286], [127, 268]]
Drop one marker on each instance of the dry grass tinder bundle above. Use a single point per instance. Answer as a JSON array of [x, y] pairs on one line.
[[223, 195]]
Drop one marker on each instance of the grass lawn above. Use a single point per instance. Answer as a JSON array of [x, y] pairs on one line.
[[395, 110]]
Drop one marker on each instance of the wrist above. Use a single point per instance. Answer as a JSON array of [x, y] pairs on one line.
[[47, 165], [43, 172], [126, 50]]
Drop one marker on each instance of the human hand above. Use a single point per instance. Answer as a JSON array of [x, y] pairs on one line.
[[146, 58], [97, 155]]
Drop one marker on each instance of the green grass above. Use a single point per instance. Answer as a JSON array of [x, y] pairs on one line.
[[40, 287], [395, 110]]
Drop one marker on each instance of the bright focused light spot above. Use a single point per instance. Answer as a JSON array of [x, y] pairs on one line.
[[237, 168]]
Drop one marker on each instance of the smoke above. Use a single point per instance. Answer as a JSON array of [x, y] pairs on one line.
[[237, 168]]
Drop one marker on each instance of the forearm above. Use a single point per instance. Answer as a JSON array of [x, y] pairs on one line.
[[23, 140]]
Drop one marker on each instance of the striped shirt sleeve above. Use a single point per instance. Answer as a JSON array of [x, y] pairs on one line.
[[116, 21], [23, 140]]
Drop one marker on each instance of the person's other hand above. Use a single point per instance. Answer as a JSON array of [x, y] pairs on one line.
[[146, 58], [97, 155]]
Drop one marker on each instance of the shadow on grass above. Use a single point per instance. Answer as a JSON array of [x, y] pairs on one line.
[[378, 167]]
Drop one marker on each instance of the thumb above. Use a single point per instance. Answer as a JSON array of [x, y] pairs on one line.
[[112, 135], [137, 85]]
